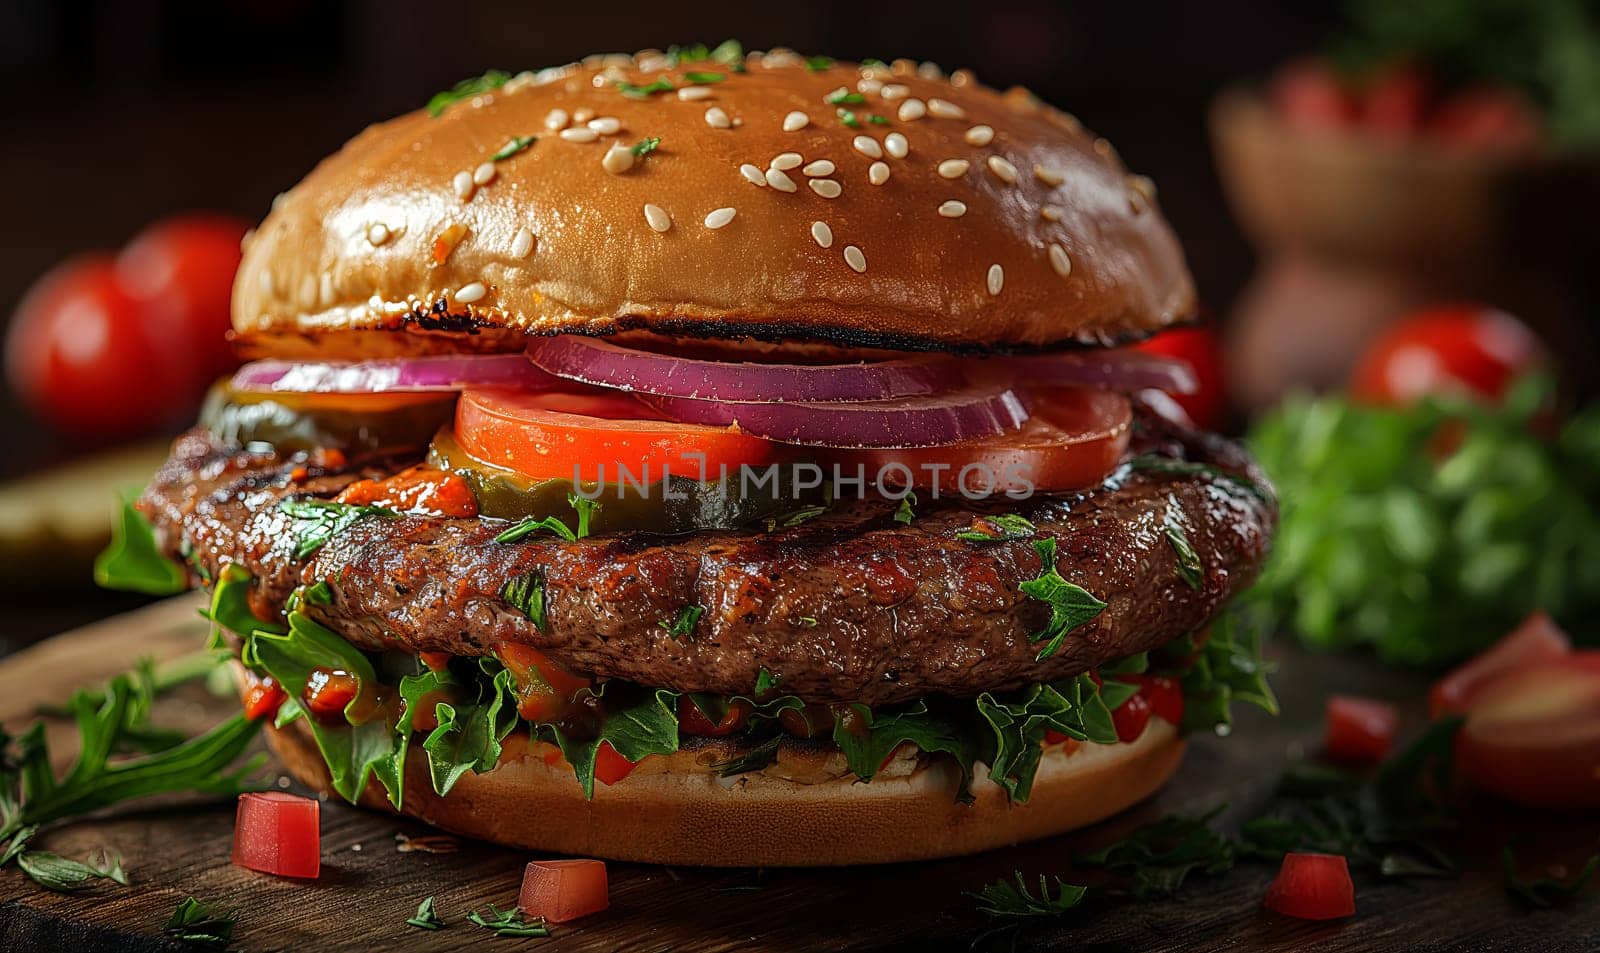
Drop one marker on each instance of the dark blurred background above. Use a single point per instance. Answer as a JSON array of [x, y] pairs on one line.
[[120, 113]]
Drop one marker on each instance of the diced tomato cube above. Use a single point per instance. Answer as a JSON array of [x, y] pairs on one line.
[[278, 833], [610, 767], [562, 890], [1312, 887], [262, 696], [1360, 729], [1131, 717]]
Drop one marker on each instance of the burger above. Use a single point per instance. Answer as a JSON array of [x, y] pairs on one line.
[[721, 458]]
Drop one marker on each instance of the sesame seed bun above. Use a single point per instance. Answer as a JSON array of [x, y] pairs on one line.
[[948, 216], [805, 810]]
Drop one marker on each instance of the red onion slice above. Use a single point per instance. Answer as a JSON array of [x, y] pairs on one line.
[[1120, 370], [604, 364], [444, 372], [978, 410]]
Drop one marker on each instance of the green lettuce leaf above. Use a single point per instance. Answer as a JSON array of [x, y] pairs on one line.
[[133, 562], [469, 732], [867, 737], [639, 722]]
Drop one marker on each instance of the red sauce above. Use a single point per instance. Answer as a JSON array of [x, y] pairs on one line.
[[328, 691], [416, 490], [693, 721], [262, 696], [545, 690]]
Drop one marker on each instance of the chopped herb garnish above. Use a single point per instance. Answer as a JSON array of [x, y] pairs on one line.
[[795, 518], [848, 118], [466, 89], [766, 683], [1071, 605], [553, 524], [526, 594], [1190, 569], [809, 622], [64, 875], [1160, 856], [755, 759], [318, 521], [584, 508], [515, 145], [1001, 899], [729, 53], [425, 917], [134, 562], [1155, 463], [997, 529], [507, 923], [683, 626], [817, 64], [1545, 891], [904, 513], [645, 146], [877, 120], [844, 97], [704, 79], [661, 85], [200, 924]]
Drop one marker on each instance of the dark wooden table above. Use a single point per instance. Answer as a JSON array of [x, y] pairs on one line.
[[368, 888]]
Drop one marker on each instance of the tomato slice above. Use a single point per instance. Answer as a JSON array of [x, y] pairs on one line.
[[1532, 734], [1132, 717], [610, 767], [1537, 639], [1312, 887], [1360, 729], [1166, 698], [596, 437], [562, 890], [1075, 437], [278, 833]]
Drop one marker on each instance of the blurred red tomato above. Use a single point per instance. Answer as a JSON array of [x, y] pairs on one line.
[[1532, 734], [1309, 96], [1461, 348], [79, 354], [181, 269], [1395, 100], [1198, 347], [1486, 119]]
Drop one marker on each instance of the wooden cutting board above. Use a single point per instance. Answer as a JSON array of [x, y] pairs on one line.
[[368, 887]]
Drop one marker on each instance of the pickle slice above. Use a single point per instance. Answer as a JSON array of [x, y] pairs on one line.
[[291, 423]]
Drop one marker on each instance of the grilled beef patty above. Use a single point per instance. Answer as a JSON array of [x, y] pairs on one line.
[[847, 607]]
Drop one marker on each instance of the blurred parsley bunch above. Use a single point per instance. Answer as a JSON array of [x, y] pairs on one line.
[[1549, 49], [1426, 554]]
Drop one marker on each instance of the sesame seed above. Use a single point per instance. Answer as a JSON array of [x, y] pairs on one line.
[[912, 109], [867, 146], [753, 174], [795, 121], [483, 174], [930, 70], [878, 173], [582, 115], [1050, 213], [779, 179], [827, 188], [944, 109], [896, 145], [1049, 176], [1103, 147], [579, 134], [822, 233], [869, 86], [556, 119], [953, 209], [962, 77], [657, 217], [308, 291], [819, 167], [463, 185], [786, 161], [979, 135], [1059, 260], [720, 217], [996, 279], [691, 93], [470, 293], [522, 244], [377, 233], [618, 159], [717, 119], [325, 289], [265, 281], [606, 125], [954, 168], [839, 93], [1144, 186], [855, 259], [1003, 170], [894, 91]]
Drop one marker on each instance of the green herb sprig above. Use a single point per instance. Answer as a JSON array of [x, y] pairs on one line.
[[466, 89], [318, 521], [1002, 899], [200, 924], [1070, 604]]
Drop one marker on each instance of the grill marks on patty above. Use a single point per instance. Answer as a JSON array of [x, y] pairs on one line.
[[849, 606]]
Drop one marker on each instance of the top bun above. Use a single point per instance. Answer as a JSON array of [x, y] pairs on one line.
[[896, 208]]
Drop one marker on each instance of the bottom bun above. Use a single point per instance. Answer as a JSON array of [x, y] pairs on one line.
[[674, 809]]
